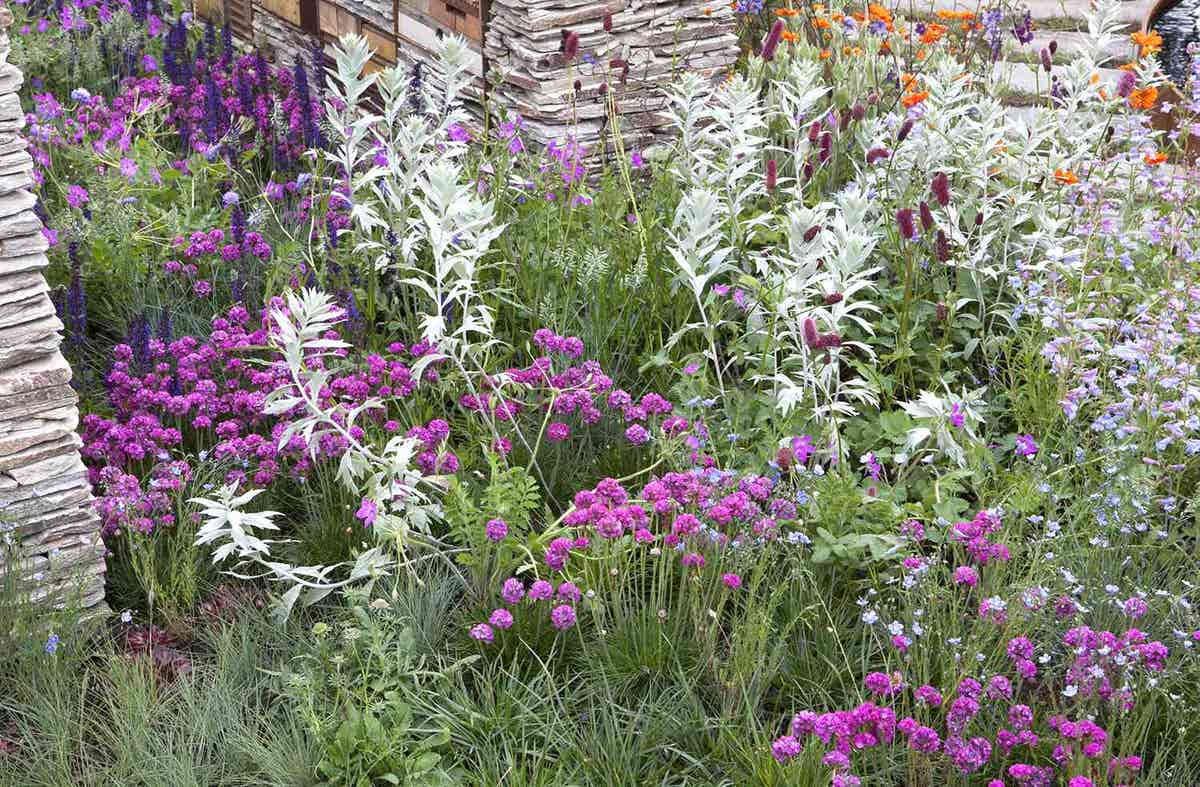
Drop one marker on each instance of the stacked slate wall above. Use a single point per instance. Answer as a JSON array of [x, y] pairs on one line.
[[629, 50], [49, 534]]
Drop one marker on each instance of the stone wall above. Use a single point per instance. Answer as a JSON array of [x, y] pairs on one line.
[[48, 532], [629, 51], [623, 66]]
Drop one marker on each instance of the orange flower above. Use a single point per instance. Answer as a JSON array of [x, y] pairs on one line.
[[933, 32], [786, 12], [790, 37], [1148, 42], [825, 54], [1143, 98], [838, 17], [1155, 158], [879, 13], [1065, 177], [821, 22], [962, 16], [912, 99]]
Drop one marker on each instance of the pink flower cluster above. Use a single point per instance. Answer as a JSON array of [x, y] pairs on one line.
[[962, 738], [581, 391], [562, 612], [126, 505], [1103, 661], [685, 511], [973, 535], [207, 395]]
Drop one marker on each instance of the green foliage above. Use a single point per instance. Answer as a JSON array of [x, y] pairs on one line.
[[353, 691], [367, 750], [510, 494]]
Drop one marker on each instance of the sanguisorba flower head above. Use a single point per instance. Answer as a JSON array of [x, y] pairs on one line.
[[771, 42], [905, 223], [570, 45], [940, 188]]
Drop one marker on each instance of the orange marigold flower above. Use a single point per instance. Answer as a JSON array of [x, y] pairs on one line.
[[790, 37], [1155, 158], [1143, 98], [933, 32], [961, 16], [912, 99], [786, 12], [838, 17], [1065, 177], [879, 13], [1148, 42], [825, 54], [821, 22]]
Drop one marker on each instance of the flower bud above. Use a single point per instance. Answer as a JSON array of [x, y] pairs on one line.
[[926, 215], [771, 42], [940, 186], [904, 220], [811, 337], [570, 45]]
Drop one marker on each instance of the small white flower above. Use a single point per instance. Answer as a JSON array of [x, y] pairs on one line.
[[1070, 691]]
